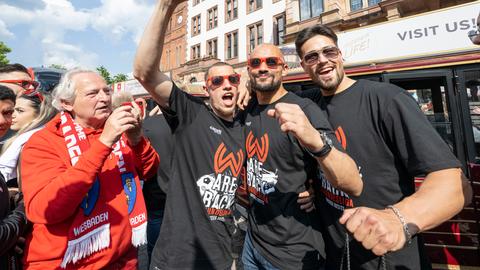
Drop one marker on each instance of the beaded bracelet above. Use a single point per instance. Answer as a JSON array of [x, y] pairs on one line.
[[408, 234]]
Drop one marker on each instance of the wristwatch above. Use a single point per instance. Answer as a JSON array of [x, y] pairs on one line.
[[327, 146]]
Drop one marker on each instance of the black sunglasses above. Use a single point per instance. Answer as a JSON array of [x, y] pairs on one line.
[[272, 62], [234, 79], [312, 57]]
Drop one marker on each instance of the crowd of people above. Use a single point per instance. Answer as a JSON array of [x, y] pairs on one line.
[[92, 181]]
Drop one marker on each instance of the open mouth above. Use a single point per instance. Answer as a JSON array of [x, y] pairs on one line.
[[326, 72], [227, 97]]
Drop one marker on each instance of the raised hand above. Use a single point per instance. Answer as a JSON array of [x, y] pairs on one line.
[[292, 119], [244, 92], [135, 134], [121, 120]]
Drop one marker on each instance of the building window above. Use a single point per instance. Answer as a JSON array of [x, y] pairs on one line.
[[310, 9], [231, 10], [356, 5], [212, 17], [255, 34], [231, 43], [195, 54], [212, 47], [279, 29], [196, 25], [373, 2], [196, 2], [177, 57], [253, 5]]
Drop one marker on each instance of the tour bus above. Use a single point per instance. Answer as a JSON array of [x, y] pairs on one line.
[[48, 77], [431, 56]]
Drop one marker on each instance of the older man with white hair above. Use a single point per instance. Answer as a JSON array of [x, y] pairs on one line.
[[80, 179]]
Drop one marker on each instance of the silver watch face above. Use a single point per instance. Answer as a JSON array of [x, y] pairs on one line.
[[326, 140]]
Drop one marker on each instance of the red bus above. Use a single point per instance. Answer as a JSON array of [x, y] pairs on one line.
[[432, 57]]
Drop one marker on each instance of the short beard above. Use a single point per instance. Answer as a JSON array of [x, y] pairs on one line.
[[274, 86], [331, 86]]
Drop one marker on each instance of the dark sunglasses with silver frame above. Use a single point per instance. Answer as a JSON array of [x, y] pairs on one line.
[[312, 57]]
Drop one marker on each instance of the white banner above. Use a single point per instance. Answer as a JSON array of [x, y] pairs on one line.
[[435, 33], [132, 86]]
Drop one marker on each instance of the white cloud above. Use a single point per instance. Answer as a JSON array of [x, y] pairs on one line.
[[13, 15], [67, 55], [48, 24], [116, 21], [4, 32]]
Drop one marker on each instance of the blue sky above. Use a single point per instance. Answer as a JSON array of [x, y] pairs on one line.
[[85, 33]]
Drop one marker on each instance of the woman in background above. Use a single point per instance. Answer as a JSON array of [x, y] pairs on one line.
[[32, 111]]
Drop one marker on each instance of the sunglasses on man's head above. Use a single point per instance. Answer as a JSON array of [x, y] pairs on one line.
[[271, 62], [313, 57], [25, 84], [33, 92], [234, 79]]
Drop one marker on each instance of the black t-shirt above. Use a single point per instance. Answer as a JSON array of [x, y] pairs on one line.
[[278, 168], [207, 158], [157, 130], [382, 128]]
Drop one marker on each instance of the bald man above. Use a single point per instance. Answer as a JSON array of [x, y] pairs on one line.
[[287, 140]]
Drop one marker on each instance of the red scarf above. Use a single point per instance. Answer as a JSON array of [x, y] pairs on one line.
[[90, 230]]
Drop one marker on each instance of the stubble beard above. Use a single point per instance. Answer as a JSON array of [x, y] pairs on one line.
[[272, 87], [331, 85]]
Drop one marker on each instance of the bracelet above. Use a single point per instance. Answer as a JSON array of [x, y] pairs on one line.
[[408, 234]]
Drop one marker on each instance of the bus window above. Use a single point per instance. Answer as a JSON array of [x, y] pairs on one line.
[[48, 77], [431, 97], [472, 87]]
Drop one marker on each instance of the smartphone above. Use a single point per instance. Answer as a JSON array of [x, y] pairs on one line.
[[129, 104], [140, 105]]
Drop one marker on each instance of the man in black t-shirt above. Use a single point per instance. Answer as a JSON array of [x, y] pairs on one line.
[[156, 129], [384, 131], [287, 137], [208, 154]]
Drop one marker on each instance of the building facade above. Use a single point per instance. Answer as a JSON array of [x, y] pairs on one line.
[[351, 14], [228, 30], [175, 46]]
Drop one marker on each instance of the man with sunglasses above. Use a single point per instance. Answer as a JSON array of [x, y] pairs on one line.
[[287, 139], [17, 78], [381, 126], [208, 155]]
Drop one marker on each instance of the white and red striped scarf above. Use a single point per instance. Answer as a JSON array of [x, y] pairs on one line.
[[90, 230]]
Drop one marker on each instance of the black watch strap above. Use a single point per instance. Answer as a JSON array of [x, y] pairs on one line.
[[327, 146]]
